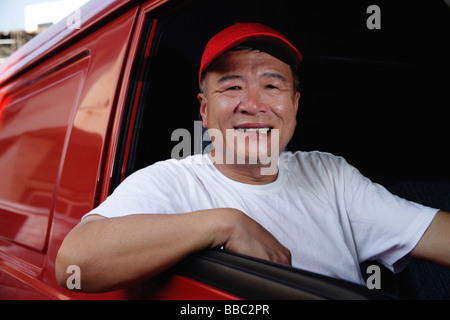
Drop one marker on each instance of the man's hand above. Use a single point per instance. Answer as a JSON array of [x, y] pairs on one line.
[[248, 237]]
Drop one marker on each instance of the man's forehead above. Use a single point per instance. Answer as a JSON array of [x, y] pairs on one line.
[[264, 75], [233, 63]]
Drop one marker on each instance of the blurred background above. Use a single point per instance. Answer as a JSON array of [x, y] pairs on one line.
[[21, 20]]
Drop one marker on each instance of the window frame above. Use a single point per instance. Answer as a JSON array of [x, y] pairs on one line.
[[226, 264], [242, 276]]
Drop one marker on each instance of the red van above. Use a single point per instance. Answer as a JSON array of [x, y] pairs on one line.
[[98, 95]]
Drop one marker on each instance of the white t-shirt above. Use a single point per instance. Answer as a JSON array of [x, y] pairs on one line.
[[321, 208]]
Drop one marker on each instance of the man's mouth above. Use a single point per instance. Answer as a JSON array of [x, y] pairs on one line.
[[260, 130]]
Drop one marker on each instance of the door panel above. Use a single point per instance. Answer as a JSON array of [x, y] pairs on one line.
[[32, 137]]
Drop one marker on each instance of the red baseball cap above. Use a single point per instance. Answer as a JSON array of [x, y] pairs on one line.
[[242, 32]]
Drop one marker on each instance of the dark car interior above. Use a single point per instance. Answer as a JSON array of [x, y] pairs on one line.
[[376, 97]]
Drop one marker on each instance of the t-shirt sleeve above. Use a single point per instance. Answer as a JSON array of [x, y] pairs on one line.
[[385, 227], [149, 190]]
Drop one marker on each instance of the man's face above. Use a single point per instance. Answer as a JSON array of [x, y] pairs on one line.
[[251, 95]]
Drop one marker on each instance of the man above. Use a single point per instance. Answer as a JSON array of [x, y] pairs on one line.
[[313, 212]]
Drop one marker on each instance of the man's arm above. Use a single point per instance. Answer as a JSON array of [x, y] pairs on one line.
[[435, 242], [113, 253]]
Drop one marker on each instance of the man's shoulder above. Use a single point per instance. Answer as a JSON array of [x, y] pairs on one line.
[[318, 172], [314, 163], [176, 163], [175, 166], [166, 171], [311, 156]]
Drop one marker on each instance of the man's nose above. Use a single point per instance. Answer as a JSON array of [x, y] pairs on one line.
[[252, 102]]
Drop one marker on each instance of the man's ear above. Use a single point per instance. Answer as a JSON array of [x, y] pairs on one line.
[[297, 97], [203, 109]]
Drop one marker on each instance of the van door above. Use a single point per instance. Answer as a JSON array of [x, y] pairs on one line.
[[34, 126]]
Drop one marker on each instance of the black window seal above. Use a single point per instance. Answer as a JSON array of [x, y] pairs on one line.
[[139, 63], [252, 278]]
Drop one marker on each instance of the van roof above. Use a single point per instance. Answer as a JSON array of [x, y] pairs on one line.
[[57, 36]]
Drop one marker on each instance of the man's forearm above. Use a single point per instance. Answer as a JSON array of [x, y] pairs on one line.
[[116, 252], [435, 242]]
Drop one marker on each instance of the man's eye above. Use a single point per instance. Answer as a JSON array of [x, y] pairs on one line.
[[234, 88], [270, 86]]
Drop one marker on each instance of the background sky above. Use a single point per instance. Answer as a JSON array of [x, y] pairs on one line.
[[12, 13]]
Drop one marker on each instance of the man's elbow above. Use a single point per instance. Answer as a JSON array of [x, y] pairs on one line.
[[73, 268], [59, 273], [61, 270], [73, 273], [68, 274]]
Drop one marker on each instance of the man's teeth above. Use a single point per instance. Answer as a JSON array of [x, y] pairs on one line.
[[257, 130]]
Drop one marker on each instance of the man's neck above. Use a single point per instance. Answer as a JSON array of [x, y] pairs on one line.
[[245, 173]]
